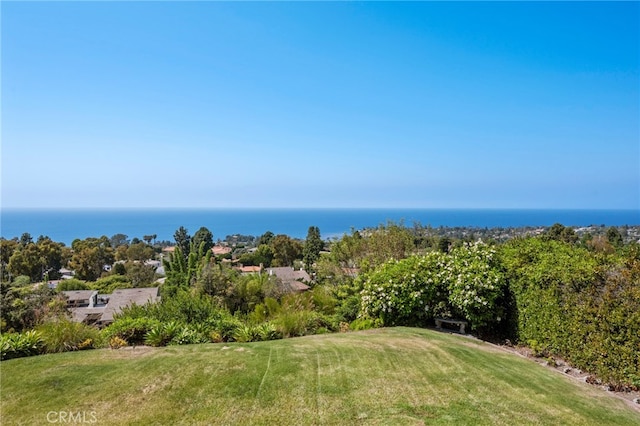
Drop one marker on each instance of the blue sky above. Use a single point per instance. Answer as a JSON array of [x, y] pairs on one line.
[[216, 104]]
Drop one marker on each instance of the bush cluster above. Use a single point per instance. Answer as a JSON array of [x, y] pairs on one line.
[[464, 283], [557, 297], [16, 345], [578, 305]]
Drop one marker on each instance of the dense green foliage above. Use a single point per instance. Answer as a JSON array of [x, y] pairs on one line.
[[63, 335], [16, 345], [464, 283], [564, 294], [312, 247], [577, 304], [405, 292]]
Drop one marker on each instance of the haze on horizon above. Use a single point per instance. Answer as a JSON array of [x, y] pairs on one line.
[[340, 104]]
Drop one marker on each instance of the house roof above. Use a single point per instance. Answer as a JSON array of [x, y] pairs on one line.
[[81, 314], [287, 273], [74, 295], [290, 278], [126, 297], [297, 286], [221, 250], [248, 269]]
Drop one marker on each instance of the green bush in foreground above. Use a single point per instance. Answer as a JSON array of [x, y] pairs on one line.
[[16, 345], [131, 330], [63, 335]]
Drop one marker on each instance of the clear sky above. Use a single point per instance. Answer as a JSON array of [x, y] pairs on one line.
[[356, 104]]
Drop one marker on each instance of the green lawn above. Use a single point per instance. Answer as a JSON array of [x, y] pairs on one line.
[[386, 376]]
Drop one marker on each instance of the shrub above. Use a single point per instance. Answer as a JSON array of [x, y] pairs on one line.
[[71, 284], [365, 324], [268, 331], [581, 306], [302, 323], [22, 281], [116, 342], [63, 335], [188, 336], [226, 328], [15, 345], [475, 284], [246, 333], [405, 292], [133, 331], [108, 284], [183, 307]]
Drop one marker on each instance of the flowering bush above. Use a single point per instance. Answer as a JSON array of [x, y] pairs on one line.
[[465, 283], [405, 292], [474, 283]]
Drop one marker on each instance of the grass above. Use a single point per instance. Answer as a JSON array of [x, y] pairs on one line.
[[389, 376]]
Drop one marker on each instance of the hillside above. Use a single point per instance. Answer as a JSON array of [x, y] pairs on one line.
[[385, 376]]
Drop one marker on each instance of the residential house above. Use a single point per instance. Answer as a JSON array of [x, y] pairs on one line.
[[89, 307], [292, 280]]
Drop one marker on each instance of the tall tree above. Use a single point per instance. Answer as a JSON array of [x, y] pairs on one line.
[[7, 248], [313, 245], [90, 256], [285, 250], [559, 232], [265, 238], [37, 260], [203, 236], [25, 239], [119, 240], [614, 237], [183, 241], [140, 251]]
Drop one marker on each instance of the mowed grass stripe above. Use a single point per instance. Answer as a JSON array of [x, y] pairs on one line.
[[386, 376]]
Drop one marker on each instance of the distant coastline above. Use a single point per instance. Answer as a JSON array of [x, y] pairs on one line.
[[65, 225]]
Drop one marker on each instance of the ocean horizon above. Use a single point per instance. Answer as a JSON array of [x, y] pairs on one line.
[[65, 225]]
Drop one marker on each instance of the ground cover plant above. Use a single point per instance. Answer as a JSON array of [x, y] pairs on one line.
[[384, 376]]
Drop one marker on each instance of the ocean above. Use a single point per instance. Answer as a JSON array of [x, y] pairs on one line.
[[67, 225]]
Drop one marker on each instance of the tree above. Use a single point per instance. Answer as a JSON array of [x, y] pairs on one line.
[[52, 256], [25, 239], [203, 236], [444, 244], [7, 248], [140, 252], [388, 242], [26, 260], [560, 232], [285, 250], [263, 256], [140, 274], [37, 260], [119, 240], [614, 237], [183, 241], [90, 257], [216, 280], [266, 238], [147, 238], [313, 245]]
